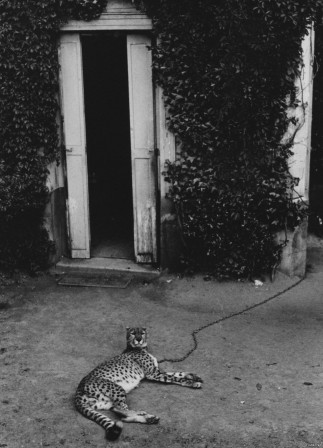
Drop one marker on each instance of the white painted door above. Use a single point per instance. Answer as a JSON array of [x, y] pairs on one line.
[[142, 147], [72, 102]]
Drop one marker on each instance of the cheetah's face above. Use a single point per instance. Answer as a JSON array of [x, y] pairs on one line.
[[137, 337]]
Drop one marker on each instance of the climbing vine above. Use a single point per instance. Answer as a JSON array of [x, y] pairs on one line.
[[28, 121], [83, 9], [228, 70]]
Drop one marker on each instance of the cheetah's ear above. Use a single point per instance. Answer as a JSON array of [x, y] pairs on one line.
[[127, 328]]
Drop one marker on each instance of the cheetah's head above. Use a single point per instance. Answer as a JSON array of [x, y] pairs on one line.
[[136, 337]]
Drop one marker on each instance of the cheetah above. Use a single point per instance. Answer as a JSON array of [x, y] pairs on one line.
[[106, 386]]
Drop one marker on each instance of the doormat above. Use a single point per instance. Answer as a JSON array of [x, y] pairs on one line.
[[95, 280]]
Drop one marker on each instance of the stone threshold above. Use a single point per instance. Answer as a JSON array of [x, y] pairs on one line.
[[105, 266]]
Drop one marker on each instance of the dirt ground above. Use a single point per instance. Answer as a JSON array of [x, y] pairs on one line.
[[262, 370]]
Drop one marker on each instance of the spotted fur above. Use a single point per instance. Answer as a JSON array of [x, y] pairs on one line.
[[106, 386]]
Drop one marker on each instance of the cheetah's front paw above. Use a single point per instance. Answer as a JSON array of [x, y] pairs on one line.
[[193, 381], [152, 419]]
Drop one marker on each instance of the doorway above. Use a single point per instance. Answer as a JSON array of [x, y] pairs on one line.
[[122, 176], [106, 100]]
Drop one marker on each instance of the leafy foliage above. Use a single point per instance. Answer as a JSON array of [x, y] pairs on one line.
[[228, 71], [28, 121], [83, 9], [226, 67]]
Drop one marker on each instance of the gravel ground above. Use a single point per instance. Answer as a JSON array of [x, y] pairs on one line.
[[262, 370]]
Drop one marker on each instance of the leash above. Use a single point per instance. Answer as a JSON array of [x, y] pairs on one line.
[[228, 316]]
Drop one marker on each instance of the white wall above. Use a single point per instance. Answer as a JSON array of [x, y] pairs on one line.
[[300, 162]]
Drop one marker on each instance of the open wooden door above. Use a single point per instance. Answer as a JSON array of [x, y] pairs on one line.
[[142, 147], [72, 101]]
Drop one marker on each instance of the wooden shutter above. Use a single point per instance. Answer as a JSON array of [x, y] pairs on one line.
[[142, 147], [72, 103]]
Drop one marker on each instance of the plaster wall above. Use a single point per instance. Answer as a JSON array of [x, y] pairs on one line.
[[294, 253], [55, 212], [170, 241]]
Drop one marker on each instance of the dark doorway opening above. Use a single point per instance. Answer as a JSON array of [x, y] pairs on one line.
[[106, 100]]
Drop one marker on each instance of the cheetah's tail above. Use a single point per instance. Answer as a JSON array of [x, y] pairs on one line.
[[113, 428]]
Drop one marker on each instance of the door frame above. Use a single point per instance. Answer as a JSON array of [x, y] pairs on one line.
[[122, 15]]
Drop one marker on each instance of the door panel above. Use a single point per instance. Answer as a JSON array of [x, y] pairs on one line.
[[142, 147], [72, 101]]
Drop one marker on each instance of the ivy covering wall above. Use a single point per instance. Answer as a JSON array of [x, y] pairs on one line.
[[28, 121], [228, 70]]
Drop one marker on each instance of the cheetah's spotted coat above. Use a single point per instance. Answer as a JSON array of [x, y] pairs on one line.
[[107, 385]]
